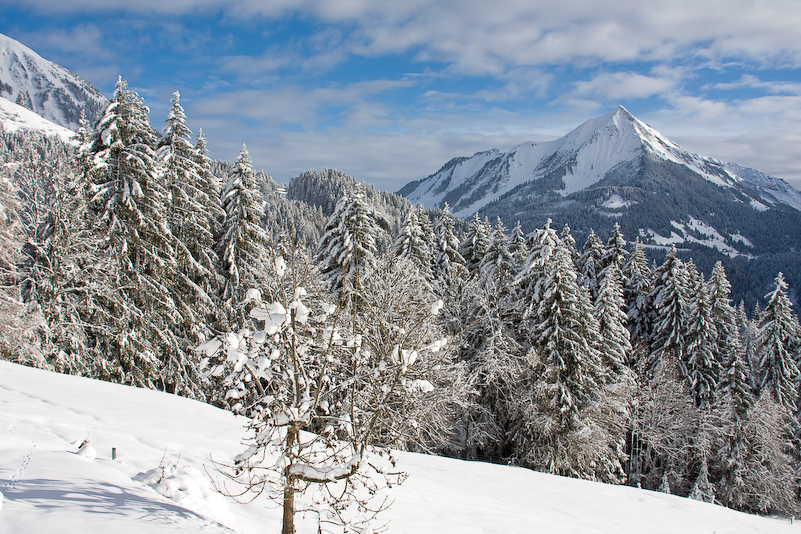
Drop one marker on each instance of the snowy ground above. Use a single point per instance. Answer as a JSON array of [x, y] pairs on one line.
[[49, 486], [14, 117]]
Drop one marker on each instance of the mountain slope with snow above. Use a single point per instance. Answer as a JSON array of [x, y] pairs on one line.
[[14, 118], [617, 169], [47, 89], [573, 163], [159, 481]]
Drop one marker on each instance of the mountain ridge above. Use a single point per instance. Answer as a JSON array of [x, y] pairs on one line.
[[617, 169], [575, 162], [46, 88]]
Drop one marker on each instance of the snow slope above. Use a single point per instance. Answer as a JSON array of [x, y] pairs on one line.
[[49, 486], [14, 117], [56, 93]]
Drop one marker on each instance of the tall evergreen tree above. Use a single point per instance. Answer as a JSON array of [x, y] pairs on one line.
[[346, 251], [544, 242], [210, 185], [498, 263], [197, 264], [567, 237], [702, 347], [670, 301], [746, 329], [636, 276], [427, 231], [412, 242], [476, 242], [130, 205], [724, 315], [448, 263], [243, 246], [615, 251], [518, 246], [777, 347], [569, 438], [609, 310], [591, 263], [736, 402]]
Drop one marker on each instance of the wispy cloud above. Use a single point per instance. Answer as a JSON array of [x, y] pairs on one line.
[[491, 37], [389, 91], [618, 86]]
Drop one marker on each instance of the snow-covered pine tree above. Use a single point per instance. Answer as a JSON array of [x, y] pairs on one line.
[[747, 331], [544, 242], [347, 248], [567, 237], [243, 247], [448, 263], [611, 315], [636, 277], [618, 379], [518, 246], [560, 428], [701, 353], [427, 231], [498, 264], [591, 263], [735, 403], [476, 242], [129, 203], [724, 315], [615, 251], [210, 184], [196, 275], [412, 242], [670, 302], [777, 347]]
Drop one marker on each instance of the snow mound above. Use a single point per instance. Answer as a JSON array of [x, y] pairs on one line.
[[188, 487], [87, 452]]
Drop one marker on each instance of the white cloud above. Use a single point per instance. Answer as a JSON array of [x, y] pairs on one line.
[[279, 100], [617, 86], [750, 81], [761, 132], [477, 36]]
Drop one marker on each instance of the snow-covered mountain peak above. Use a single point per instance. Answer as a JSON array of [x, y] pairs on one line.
[[580, 159], [46, 88]]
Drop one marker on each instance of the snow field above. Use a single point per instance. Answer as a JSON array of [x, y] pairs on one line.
[[160, 479]]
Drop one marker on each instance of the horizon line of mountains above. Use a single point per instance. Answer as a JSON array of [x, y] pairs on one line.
[[611, 169]]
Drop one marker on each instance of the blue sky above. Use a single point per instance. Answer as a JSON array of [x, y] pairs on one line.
[[389, 91]]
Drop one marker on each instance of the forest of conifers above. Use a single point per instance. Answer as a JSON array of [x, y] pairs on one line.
[[131, 257]]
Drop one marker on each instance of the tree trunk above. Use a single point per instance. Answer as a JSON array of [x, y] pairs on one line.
[[289, 506], [289, 484]]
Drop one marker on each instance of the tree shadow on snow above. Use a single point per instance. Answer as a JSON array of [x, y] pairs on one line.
[[90, 496]]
